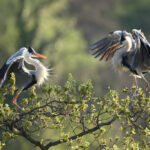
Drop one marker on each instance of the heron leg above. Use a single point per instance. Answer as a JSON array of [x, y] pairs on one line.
[[147, 83], [135, 79], [14, 100], [134, 93]]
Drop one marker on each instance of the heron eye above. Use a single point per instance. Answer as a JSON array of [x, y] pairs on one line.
[[30, 50], [122, 38]]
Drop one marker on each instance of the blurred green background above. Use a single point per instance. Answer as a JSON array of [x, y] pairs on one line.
[[62, 30]]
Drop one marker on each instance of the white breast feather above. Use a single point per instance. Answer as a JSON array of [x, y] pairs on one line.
[[42, 74]]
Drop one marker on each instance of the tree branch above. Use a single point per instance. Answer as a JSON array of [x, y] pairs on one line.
[[33, 141], [50, 144]]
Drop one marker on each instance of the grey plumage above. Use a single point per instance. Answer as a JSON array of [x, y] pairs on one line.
[[25, 78], [16, 66], [125, 50]]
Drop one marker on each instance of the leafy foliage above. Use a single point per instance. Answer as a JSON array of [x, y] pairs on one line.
[[67, 112], [72, 111]]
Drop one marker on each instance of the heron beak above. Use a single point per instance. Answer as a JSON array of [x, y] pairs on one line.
[[39, 55], [110, 51], [115, 47]]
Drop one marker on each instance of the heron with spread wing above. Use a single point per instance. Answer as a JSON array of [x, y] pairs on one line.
[[125, 50], [25, 78]]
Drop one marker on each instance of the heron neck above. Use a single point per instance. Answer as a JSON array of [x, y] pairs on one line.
[[41, 72], [128, 44]]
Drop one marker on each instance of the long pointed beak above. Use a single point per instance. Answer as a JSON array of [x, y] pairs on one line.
[[39, 55], [115, 48], [110, 51]]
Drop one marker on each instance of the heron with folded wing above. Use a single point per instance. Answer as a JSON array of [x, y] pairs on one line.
[[25, 78], [125, 50]]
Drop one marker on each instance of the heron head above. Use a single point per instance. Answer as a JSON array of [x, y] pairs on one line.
[[123, 39], [120, 35], [116, 34], [32, 53]]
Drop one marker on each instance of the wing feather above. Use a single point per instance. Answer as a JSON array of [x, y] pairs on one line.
[[8, 68], [142, 53], [107, 46], [3, 70]]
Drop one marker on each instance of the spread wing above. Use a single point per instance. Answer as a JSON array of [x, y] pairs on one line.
[[142, 52], [107, 46]]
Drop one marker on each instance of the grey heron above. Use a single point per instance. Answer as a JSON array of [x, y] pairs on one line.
[[125, 50], [25, 77]]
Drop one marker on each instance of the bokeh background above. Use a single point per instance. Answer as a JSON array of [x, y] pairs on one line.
[[62, 30]]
